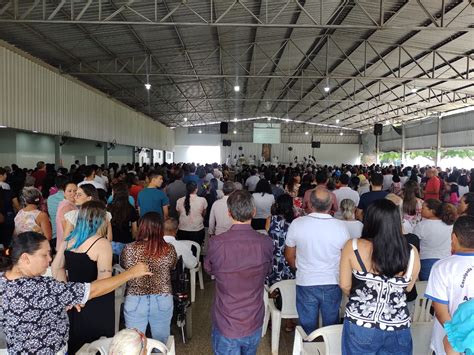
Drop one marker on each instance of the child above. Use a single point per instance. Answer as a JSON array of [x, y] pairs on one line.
[[451, 281]]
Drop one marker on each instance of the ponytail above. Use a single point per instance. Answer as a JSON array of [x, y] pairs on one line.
[[447, 213], [190, 188], [444, 211]]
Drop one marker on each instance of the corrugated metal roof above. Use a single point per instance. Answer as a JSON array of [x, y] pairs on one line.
[[279, 69]]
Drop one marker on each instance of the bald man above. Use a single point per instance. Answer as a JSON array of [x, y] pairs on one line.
[[433, 185], [313, 246]]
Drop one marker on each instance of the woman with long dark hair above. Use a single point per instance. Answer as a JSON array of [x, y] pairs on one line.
[[84, 193], [150, 300], [434, 232], [264, 200], [124, 218], [466, 204], [36, 322], [412, 204], [277, 226], [191, 210], [65, 206], [375, 273], [85, 256]]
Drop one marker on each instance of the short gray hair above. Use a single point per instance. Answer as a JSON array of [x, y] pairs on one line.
[[241, 205], [30, 195], [321, 199], [228, 187]]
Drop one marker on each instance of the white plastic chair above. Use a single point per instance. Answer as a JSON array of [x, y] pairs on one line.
[[422, 304], [331, 344], [266, 317], [421, 335], [119, 296], [197, 269], [102, 346], [288, 310]]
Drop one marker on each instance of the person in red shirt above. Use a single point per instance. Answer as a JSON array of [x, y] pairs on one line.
[[433, 185], [39, 174]]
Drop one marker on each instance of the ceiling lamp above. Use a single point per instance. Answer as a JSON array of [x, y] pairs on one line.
[[327, 88], [235, 132], [199, 131], [306, 132], [338, 120], [341, 134], [185, 119]]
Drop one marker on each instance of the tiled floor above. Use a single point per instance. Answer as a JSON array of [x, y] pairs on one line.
[[201, 340]]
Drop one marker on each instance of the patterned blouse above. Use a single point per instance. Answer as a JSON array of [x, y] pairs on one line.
[[33, 313], [377, 301], [280, 268], [160, 281]]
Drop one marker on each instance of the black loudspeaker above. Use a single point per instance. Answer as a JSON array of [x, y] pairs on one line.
[[226, 142], [378, 129], [316, 144], [224, 127]]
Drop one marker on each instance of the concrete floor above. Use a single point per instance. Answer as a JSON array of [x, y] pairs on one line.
[[201, 340]]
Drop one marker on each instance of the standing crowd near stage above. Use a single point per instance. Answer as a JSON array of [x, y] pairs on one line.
[[368, 232]]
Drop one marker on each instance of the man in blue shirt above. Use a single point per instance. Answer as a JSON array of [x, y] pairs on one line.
[[151, 198], [54, 200]]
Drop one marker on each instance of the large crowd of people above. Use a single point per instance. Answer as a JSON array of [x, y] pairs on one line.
[[369, 232]]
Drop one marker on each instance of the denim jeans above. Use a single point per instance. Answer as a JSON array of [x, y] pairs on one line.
[[426, 265], [358, 340], [312, 299], [154, 309], [248, 345]]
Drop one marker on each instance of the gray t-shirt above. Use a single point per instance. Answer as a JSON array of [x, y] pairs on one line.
[[175, 191]]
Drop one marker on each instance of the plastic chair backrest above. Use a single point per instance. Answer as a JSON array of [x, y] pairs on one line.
[[421, 335], [192, 244], [332, 338], [152, 344], [101, 345], [288, 296], [421, 288], [422, 310]]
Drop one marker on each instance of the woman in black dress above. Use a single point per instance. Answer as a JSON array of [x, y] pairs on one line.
[[87, 256]]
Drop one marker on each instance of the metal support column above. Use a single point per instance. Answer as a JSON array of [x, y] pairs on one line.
[[106, 155], [403, 144], [438, 143], [377, 149], [57, 152]]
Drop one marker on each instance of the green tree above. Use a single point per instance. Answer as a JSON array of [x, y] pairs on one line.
[[458, 153], [429, 154], [390, 157]]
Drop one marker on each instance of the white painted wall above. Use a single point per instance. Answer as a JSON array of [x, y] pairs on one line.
[[198, 154], [36, 96]]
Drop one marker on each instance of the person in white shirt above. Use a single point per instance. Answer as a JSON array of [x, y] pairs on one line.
[[387, 179], [89, 171], [434, 232], [264, 200], [354, 226], [345, 192], [252, 180], [451, 281], [219, 219], [3, 178], [101, 179], [182, 249], [313, 246], [191, 210]]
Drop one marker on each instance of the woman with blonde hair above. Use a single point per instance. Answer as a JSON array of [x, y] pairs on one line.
[[86, 255], [354, 226]]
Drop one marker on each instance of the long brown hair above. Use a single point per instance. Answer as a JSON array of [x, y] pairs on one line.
[[151, 231]]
